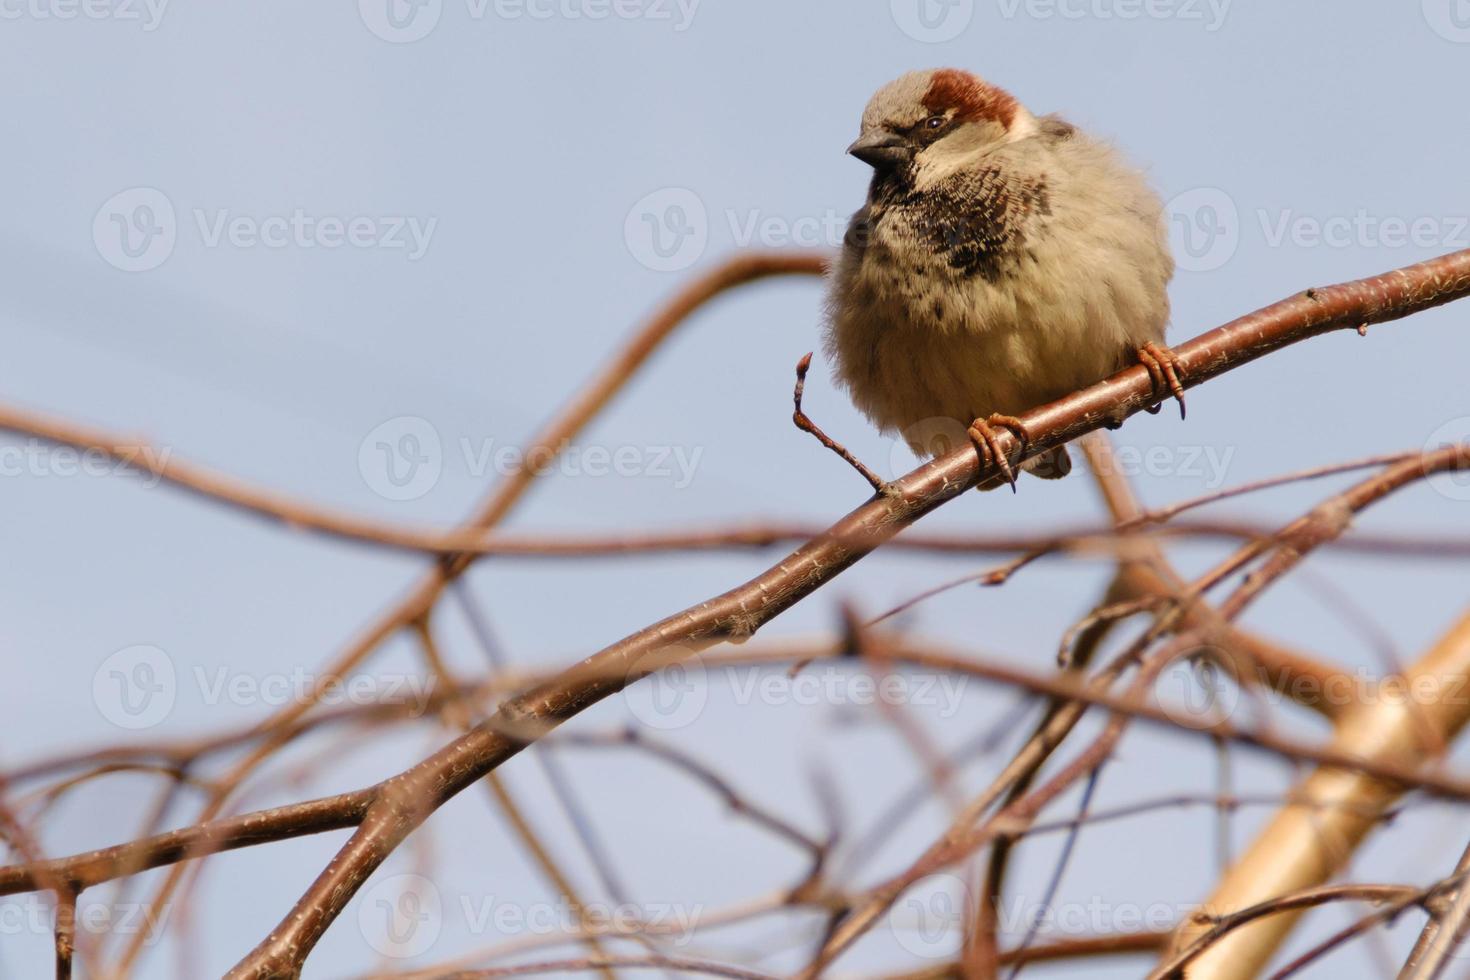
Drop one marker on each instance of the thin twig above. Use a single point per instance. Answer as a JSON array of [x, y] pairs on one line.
[[805, 424]]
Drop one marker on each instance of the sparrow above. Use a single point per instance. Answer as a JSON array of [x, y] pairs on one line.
[[1001, 261]]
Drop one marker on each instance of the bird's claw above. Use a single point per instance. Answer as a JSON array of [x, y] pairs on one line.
[[1165, 370], [987, 442]]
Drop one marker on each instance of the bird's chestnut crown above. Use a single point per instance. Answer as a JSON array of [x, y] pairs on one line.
[[918, 110]]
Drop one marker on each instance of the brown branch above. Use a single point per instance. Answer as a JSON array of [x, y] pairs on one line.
[[583, 407], [604, 963], [1291, 546], [82, 871], [1300, 849], [405, 800], [1072, 948], [138, 455], [66, 931], [1442, 934], [457, 716], [1398, 896], [805, 424], [299, 515], [339, 812]]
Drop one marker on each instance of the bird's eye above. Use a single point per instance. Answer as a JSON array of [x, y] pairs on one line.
[[934, 122]]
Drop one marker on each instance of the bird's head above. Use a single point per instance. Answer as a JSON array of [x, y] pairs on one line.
[[937, 118]]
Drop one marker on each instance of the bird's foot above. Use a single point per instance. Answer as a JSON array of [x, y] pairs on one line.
[[987, 442], [805, 424], [1165, 370]]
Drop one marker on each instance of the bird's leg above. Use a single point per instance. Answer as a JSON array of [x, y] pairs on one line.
[[805, 424], [987, 443], [1164, 369]]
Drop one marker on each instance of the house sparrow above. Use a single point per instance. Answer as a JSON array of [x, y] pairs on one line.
[[1001, 261]]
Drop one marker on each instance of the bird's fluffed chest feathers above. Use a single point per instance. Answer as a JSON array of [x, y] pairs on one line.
[[970, 222], [997, 281]]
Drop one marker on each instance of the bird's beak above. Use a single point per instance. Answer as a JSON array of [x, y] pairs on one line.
[[881, 149]]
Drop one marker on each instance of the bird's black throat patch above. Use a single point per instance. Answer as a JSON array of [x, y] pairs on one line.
[[976, 220]]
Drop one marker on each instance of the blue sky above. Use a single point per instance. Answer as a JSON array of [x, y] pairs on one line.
[[278, 237]]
